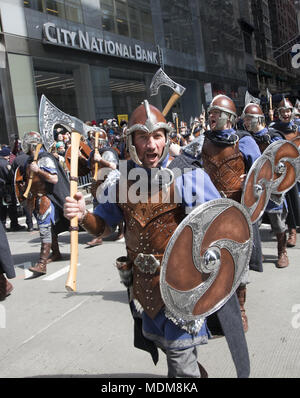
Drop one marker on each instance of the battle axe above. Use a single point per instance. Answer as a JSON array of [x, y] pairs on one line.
[[162, 79], [49, 117]]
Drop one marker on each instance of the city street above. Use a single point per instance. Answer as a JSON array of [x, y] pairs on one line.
[[49, 332]]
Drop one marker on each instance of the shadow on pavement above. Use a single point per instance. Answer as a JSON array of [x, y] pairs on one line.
[[120, 296]]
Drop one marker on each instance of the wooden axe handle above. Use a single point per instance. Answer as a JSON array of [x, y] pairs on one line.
[[96, 151], [170, 103], [271, 108], [71, 280], [36, 154]]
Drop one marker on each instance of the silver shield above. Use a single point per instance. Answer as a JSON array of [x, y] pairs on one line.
[[205, 259]]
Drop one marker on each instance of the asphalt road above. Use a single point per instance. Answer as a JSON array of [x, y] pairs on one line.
[[46, 331]]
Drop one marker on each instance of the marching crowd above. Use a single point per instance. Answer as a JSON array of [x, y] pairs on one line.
[[220, 144]]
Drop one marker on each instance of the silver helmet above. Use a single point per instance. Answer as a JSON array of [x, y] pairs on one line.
[[256, 114], [227, 108], [30, 140], [146, 118], [285, 103]]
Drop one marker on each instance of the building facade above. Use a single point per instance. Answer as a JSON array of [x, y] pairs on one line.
[[275, 31], [95, 59]]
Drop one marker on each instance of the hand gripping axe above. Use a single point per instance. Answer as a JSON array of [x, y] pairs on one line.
[[49, 117]]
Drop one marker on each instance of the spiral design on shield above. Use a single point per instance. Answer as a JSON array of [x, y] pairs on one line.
[[206, 258]]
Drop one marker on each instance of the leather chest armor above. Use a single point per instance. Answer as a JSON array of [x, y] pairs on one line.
[[37, 198], [149, 227], [263, 141], [224, 164], [38, 190], [291, 136]]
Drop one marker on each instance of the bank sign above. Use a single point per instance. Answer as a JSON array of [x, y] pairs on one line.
[[81, 40]]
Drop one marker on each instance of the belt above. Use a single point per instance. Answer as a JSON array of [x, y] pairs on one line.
[[147, 263]]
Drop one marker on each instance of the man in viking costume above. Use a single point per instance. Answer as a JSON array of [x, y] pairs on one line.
[[149, 226], [287, 127], [45, 199], [227, 155], [106, 159], [254, 122]]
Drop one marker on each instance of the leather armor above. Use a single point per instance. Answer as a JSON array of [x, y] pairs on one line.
[[291, 136], [149, 227], [37, 198], [224, 165]]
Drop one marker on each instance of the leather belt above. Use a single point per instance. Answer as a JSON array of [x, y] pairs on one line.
[[147, 263]]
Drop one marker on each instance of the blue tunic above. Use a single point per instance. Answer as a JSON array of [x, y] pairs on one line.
[[51, 215], [193, 188]]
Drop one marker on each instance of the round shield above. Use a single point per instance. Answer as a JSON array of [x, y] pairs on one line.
[[296, 141], [20, 186], [257, 187], [206, 258], [286, 160], [85, 151]]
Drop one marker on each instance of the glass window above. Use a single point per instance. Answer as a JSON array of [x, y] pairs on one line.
[[223, 43], [134, 23], [177, 19], [56, 80], [121, 17], [147, 29], [73, 11], [108, 15], [108, 23], [34, 4], [68, 9], [55, 7], [127, 20]]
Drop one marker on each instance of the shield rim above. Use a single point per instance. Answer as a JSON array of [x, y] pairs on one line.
[[18, 169], [271, 187], [163, 285], [295, 163], [268, 186]]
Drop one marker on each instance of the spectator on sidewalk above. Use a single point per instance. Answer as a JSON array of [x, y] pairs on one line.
[[8, 201], [7, 269]]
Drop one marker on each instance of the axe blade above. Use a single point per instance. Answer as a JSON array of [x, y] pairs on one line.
[[50, 116], [162, 79]]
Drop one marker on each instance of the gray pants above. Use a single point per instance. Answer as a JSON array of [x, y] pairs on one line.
[[278, 221], [45, 233], [183, 363]]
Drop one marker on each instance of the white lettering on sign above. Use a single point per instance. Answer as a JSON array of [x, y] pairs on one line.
[[84, 41]]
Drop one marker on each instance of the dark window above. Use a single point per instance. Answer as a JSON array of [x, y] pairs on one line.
[[67, 9]]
